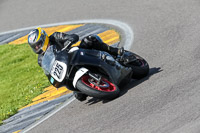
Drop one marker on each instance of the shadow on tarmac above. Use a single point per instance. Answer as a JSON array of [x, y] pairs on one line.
[[124, 90]]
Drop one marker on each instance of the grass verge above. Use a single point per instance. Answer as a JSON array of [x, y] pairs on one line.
[[21, 78]]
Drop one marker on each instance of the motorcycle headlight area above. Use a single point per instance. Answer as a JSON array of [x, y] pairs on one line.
[[58, 71]]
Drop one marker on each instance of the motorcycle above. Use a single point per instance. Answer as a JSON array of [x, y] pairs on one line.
[[91, 72]]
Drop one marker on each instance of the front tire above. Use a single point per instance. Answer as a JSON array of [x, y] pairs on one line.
[[104, 90]]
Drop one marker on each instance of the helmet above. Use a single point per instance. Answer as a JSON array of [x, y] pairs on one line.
[[38, 40]]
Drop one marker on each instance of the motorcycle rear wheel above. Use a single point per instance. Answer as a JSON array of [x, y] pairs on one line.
[[104, 90], [140, 67]]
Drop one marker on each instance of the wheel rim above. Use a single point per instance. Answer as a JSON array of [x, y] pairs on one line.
[[104, 85]]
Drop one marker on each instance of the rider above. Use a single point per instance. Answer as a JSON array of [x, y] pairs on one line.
[[39, 42]]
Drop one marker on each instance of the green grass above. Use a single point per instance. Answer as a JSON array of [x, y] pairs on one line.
[[21, 78]]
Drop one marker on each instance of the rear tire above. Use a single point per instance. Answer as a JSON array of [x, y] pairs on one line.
[[105, 90], [140, 67]]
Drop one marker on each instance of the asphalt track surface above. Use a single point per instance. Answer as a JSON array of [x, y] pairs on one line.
[[166, 35]]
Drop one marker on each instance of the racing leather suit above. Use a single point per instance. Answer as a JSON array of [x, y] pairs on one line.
[[89, 42], [94, 42]]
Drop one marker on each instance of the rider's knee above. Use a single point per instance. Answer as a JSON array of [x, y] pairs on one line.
[[90, 41]]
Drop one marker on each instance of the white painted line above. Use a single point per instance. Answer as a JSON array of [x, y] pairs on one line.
[[48, 116], [10, 38]]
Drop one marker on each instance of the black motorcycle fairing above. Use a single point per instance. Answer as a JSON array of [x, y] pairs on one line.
[[93, 59]]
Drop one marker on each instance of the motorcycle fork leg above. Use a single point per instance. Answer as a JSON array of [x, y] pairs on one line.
[[96, 78]]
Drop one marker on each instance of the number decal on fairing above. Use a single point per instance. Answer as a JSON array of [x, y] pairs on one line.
[[58, 71]]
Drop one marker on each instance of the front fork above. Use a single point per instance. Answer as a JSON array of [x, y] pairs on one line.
[[95, 77], [83, 71]]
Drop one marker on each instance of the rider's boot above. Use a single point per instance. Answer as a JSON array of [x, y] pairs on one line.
[[80, 96], [116, 50], [121, 51]]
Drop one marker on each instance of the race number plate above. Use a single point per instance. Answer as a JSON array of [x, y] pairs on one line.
[[58, 71]]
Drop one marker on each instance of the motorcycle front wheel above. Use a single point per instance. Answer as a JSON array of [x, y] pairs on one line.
[[102, 90]]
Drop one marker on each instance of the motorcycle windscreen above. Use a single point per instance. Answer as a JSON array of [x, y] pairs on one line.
[[48, 60]]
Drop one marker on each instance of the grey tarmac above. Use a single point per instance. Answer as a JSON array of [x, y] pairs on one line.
[[166, 34]]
